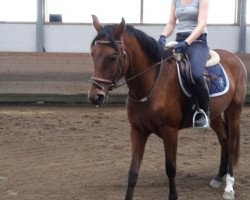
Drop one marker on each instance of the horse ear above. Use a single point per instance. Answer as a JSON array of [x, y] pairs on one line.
[[118, 30], [96, 23]]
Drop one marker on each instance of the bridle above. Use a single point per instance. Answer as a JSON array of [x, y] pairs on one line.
[[107, 85]]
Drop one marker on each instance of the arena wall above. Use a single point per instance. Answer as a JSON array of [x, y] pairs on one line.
[[53, 77]]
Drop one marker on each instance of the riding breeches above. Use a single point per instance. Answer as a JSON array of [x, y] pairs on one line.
[[197, 54]]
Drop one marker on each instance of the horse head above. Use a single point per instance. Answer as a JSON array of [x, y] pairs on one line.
[[109, 60]]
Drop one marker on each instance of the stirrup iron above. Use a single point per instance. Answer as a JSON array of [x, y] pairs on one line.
[[200, 111]]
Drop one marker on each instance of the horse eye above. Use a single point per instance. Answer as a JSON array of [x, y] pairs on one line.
[[113, 58]]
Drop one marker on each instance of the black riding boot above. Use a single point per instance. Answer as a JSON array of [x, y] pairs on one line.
[[201, 116]]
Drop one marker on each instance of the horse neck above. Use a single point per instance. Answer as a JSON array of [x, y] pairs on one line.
[[138, 62]]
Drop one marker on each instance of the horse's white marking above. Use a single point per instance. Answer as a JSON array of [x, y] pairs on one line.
[[229, 191]]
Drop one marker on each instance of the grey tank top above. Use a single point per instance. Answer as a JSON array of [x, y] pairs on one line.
[[187, 15]]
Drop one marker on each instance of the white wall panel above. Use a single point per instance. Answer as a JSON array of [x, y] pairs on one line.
[[17, 37], [77, 37], [68, 38], [224, 37], [248, 39], [219, 36]]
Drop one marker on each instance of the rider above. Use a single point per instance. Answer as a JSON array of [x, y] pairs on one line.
[[192, 40]]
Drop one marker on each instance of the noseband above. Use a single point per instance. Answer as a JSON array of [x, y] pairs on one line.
[[107, 85]]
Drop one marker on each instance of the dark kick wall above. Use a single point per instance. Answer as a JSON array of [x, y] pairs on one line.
[[55, 77]]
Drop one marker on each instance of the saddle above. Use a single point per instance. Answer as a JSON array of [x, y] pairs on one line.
[[214, 75], [185, 70]]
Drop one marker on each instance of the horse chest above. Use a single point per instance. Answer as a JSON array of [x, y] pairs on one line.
[[147, 121]]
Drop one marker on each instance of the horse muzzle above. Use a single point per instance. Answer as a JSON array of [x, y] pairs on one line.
[[98, 98]]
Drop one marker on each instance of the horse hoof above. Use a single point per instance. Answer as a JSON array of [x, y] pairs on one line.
[[215, 184], [228, 195]]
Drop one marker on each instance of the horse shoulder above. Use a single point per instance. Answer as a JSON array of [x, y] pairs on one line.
[[167, 99]]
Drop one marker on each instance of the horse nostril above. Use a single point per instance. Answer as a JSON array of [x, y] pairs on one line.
[[97, 100], [101, 98]]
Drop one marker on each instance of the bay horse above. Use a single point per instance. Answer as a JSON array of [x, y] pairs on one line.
[[156, 104]]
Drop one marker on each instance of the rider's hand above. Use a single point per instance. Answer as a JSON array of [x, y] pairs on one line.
[[181, 47], [162, 41]]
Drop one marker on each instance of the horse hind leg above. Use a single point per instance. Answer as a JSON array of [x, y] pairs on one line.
[[232, 115], [220, 128], [228, 133]]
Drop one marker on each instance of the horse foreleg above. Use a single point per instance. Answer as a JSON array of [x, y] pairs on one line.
[[138, 141], [170, 141]]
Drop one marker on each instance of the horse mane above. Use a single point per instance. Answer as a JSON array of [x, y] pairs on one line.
[[147, 43]]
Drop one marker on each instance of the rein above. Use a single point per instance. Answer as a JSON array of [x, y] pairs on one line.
[[140, 73], [114, 84]]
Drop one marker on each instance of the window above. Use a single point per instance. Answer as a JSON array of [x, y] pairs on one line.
[[221, 12], [18, 10], [108, 11], [157, 12]]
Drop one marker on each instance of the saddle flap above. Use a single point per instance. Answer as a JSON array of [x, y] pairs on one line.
[[184, 67]]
